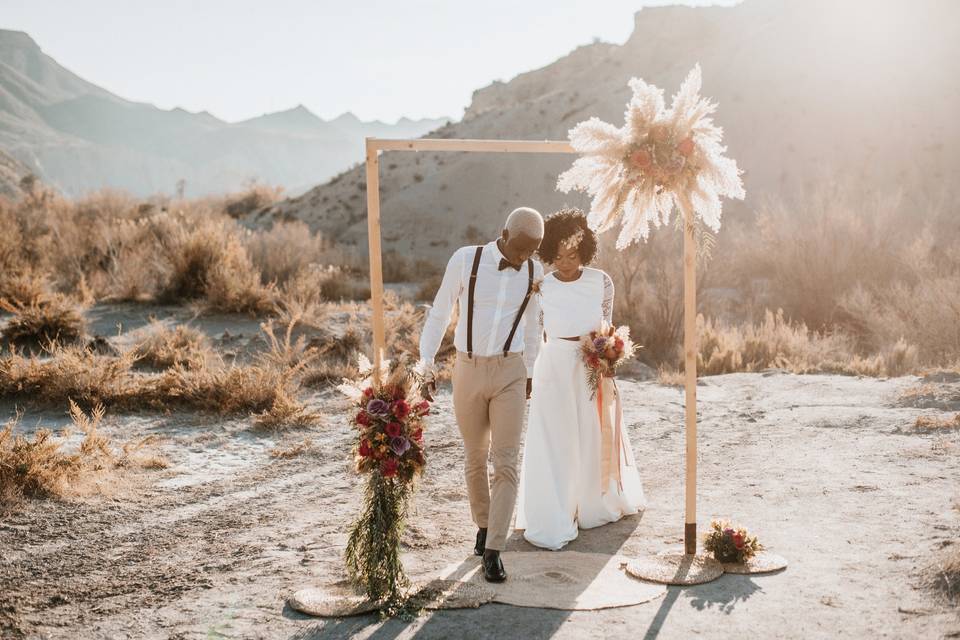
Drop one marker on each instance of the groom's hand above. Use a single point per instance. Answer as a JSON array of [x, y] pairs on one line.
[[529, 387]]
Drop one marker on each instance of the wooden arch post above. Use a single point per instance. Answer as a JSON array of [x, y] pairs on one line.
[[376, 145]]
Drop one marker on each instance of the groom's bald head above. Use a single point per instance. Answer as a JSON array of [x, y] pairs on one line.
[[526, 221], [522, 234]]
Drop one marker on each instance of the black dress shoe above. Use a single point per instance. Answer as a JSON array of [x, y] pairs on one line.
[[481, 542], [493, 569]]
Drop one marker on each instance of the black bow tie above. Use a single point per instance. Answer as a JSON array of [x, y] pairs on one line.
[[504, 263]]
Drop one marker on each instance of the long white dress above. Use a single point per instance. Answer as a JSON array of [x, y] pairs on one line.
[[560, 477]]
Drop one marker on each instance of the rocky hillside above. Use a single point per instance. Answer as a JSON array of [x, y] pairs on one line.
[[76, 136], [860, 93]]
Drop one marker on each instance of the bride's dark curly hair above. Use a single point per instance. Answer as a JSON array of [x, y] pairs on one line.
[[561, 225]]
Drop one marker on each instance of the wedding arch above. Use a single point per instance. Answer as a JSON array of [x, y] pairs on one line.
[[374, 146]]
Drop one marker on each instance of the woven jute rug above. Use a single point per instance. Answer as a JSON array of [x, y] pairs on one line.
[[675, 568], [449, 594], [568, 580], [762, 562], [330, 601]]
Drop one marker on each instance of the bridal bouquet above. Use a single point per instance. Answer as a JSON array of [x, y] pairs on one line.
[[603, 351], [729, 543], [388, 416]]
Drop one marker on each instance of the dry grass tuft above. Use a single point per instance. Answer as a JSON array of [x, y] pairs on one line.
[[778, 343], [286, 411], [73, 372], [39, 468], [943, 577], [24, 288], [163, 347], [44, 320], [936, 423], [292, 451]]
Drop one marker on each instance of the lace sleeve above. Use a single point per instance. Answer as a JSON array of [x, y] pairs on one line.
[[607, 305]]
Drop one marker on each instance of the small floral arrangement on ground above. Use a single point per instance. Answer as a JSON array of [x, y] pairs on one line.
[[389, 416], [603, 351], [729, 543]]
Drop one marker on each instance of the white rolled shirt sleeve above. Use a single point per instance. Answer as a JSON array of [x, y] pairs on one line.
[[438, 316]]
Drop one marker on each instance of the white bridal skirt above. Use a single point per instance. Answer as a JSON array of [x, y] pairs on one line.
[[560, 476]]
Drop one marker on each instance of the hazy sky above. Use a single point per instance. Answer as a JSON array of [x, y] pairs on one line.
[[380, 59]]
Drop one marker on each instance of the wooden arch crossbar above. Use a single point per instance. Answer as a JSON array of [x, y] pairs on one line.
[[374, 146]]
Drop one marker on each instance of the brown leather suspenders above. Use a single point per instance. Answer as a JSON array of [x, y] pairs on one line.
[[473, 284], [526, 299], [470, 288]]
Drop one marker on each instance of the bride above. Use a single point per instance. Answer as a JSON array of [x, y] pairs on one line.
[[564, 484]]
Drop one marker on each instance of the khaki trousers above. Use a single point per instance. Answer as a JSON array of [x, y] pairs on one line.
[[489, 400]]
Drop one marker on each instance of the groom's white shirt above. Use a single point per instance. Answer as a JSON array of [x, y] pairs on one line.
[[497, 299]]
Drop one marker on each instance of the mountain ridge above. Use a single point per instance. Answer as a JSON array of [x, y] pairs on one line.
[[79, 137]]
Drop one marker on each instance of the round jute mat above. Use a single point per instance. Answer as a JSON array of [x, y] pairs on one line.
[[675, 568], [449, 594], [762, 562], [568, 580], [330, 601]]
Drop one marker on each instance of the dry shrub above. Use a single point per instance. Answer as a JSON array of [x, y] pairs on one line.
[[286, 352], [133, 455], [73, 372], [429, 287], [937, 423], [927, 311], [207, 262], [163, 347], [343, 285], [648, 283], [778, 343], [48, 318], [39, 468], [255, 197], [236, 389], [336, 359], [399, 268], [24, 288], [286, 249], [286, 411], [943, 576], [292, 451], [813, 251], [267, 386], [300, 300]]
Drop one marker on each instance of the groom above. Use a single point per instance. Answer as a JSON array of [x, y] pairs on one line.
[[497, 340]]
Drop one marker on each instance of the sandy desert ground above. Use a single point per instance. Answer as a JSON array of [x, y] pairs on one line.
[[830, 471]]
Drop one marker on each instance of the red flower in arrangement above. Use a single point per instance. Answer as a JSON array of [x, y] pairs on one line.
[[368, 392], [401, 409], [363, 418], [423, 408], [388, 468], [365, 449], [417, 434], [393, 429], [738, 540]]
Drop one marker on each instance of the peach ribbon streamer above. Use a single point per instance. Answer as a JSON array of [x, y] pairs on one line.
[[611, 433]]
